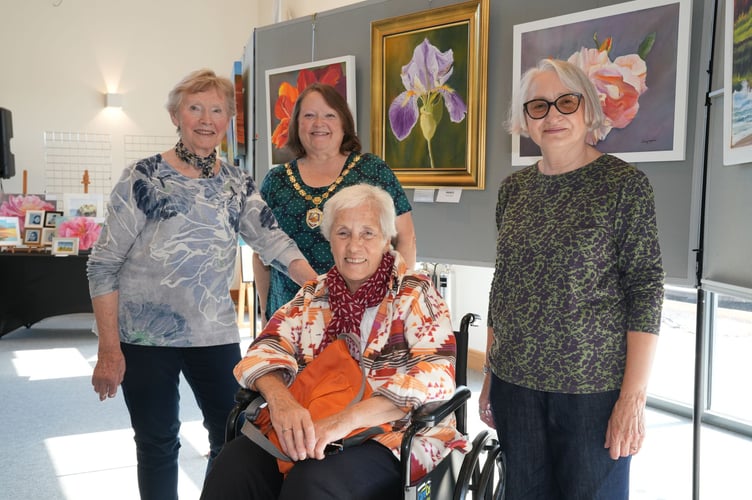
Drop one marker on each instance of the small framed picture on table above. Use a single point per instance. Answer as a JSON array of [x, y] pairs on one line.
[[32, 237], [48, 234], [10, 232], [34, 218], [51, 218], [65, 246]]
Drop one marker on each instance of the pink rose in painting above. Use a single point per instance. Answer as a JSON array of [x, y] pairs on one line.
[[16, 206], [619, 83], [84, 228]]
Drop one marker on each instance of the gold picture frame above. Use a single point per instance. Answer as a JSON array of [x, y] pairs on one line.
[[422, 132]]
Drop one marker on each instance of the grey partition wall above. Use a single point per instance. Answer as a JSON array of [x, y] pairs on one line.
[[464, 232], [728, 221]]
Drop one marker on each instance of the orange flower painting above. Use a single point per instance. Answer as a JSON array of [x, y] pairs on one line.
[[284, 85]]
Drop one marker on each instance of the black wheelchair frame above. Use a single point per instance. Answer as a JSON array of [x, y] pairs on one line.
[[479, 474]]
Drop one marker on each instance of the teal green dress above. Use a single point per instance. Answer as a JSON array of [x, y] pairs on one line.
[[290, 207]]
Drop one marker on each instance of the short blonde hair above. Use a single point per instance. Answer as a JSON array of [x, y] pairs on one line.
[[200, 81], [354, 196], [573, 78]]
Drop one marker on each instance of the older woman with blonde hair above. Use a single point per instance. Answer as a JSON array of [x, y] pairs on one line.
[[407, 350], [160, 277]]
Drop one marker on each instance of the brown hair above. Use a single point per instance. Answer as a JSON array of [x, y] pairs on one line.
[[350, 141]]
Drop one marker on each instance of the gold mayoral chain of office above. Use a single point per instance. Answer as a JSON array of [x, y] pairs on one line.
[[313, 215]]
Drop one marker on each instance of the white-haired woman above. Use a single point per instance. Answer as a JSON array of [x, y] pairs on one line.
[[407, 349], [160, 279], [575, 302]]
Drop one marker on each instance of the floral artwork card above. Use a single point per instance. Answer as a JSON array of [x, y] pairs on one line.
[[85, 229], [637, 56], [16, 205], [83, 205]]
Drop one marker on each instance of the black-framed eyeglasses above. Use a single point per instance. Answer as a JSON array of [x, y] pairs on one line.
[[537, 109]]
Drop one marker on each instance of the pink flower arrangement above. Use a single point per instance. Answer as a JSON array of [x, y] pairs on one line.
[[84, 228], [619, 83], [16, 206]]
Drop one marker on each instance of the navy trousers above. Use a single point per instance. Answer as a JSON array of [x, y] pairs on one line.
[[150, 389], [554, 444]]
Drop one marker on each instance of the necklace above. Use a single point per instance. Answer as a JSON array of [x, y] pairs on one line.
[[313, 215], [205, 165]]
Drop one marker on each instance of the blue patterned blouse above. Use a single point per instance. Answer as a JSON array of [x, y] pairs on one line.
[[168, 247]]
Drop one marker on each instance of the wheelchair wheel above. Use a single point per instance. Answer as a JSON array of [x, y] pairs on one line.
[[469, 482], [495, 468]]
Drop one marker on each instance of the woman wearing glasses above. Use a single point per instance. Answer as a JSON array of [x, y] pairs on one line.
[[575, 303]]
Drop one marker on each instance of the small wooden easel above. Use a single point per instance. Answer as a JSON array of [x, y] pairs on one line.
[[85, 181]]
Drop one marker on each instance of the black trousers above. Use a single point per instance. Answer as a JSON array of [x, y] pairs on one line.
[[244, 471]]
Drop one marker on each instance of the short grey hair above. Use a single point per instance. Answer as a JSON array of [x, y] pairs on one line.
[[354, 196], [200, 81], [573, 78]]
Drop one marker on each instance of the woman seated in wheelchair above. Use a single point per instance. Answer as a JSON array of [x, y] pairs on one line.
[[407, 350]]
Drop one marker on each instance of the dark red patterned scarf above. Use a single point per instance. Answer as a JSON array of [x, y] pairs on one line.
[[348, 308]]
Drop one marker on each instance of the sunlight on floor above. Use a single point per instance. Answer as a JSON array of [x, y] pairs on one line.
[[46, 364], [83, 461]]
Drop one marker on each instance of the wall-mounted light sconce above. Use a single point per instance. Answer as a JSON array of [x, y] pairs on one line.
[[113, 100]]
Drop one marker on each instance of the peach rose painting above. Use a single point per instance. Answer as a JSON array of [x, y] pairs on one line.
[[637, 56]]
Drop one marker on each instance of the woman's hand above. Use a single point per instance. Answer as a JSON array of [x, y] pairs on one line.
[[484, 402], [295, 429], [328, 430], [108, 373], [371, 412], [626, 427], [290, 420]]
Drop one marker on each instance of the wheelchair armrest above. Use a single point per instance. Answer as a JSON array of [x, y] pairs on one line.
[[428, 415], [432, 413], [243, 397]]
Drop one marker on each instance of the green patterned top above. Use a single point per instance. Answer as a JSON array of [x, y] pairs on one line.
[[290, 208], [578, 264]]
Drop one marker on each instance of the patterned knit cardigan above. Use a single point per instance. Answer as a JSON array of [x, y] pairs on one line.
[[409, 357]]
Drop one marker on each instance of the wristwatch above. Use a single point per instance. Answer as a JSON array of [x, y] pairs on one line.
[[485, 369]]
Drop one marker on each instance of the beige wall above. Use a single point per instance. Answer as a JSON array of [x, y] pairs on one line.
[[300, 8], [56, 62]]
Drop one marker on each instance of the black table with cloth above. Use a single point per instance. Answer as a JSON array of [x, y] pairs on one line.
[[39, 285]]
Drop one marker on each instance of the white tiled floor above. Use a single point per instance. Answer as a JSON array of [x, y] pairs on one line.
[[59, 442]]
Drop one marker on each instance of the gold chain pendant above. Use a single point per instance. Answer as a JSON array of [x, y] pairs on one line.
[[313, 215]]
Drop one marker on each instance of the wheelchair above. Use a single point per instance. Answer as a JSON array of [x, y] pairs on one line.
[[479, 474]]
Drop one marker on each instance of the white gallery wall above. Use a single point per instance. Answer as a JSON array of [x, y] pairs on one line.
[[59, 57]]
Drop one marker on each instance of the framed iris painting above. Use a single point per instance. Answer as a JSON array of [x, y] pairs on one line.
[[284, 85], [637, 56], [737, 78], [428, 95]]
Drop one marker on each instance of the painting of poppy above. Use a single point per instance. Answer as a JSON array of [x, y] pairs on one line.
[[428, 73], [737, 88], [636, 54], [284, 85]]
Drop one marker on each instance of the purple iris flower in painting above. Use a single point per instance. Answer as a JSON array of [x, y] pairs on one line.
[[424, 78]]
